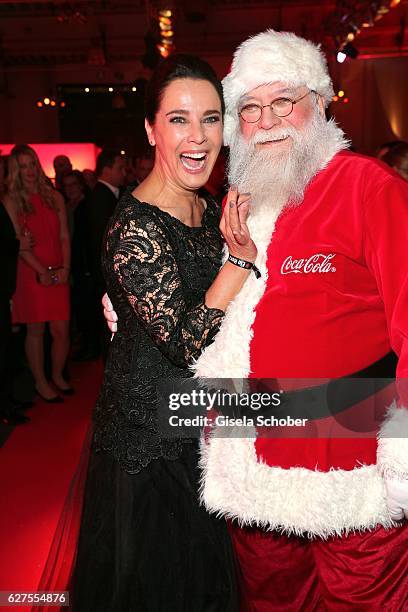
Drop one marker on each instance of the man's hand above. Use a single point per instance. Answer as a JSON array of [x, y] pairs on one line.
[[397, 498], [109, 314]]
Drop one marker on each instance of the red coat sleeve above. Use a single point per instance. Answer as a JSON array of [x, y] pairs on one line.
[[386, 253]]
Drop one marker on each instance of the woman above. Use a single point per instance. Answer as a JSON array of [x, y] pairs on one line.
[[42, 293], [145, 542]]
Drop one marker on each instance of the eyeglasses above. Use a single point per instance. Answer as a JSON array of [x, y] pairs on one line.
[[281, 107]]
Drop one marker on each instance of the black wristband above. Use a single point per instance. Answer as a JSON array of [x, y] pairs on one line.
[[247, 265]]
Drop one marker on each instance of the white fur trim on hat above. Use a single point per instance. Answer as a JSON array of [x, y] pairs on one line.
[[272, 57]]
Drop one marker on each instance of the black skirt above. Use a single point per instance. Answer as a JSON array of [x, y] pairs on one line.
[[146, 544]]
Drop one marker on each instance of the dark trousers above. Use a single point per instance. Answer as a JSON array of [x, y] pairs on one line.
[[6, 361], [87, 311]]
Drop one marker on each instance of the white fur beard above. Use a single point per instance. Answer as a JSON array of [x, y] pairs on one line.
[[272, 178]]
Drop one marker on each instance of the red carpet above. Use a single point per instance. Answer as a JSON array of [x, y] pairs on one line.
[[37, 464]]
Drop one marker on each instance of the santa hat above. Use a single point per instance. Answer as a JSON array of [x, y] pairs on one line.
[[270, 57]]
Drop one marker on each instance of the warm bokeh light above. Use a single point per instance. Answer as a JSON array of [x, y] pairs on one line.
[[47, 101], [87, 89], [340, 93], [82, 155]]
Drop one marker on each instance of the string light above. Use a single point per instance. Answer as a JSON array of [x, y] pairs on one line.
[[47, 102], [340, 96], [86, 89], [110, 89], [349, 18], [166, 45]]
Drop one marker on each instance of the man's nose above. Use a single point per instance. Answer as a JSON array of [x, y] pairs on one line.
[[268, 118]]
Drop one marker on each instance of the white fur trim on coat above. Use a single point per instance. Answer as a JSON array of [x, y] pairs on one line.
[[295, 501], [392, 452], [228, 356], [270, 57]]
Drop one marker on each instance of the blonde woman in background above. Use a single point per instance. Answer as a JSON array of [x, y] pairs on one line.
[[42, 293]]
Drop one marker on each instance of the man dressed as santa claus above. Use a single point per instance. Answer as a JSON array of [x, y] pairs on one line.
[[318, 521]]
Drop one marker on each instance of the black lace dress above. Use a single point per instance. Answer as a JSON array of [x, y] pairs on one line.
[[145, 543]]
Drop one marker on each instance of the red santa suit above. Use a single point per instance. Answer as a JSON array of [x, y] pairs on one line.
[[332, 300]]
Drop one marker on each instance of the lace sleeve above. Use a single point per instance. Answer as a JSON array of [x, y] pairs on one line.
[[146, 268]]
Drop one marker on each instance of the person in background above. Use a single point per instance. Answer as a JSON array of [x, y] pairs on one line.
[[76, 195], [10, 410], [385, 147], [397, 158], [89, 178], [62, 165], [42, 291], [110, 170], [138, 168], [3, 172], [143, 165]]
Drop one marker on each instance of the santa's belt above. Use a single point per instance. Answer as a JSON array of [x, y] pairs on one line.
[[331, 398]]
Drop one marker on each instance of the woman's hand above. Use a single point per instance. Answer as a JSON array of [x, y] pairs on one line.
[[234, 228], [26, 241], [62, 275], [109, 314], [46, 278]]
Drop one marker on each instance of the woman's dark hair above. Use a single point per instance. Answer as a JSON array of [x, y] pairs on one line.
[[178, 66]]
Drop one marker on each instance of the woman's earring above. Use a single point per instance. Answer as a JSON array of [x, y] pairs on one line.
[[152, 143]]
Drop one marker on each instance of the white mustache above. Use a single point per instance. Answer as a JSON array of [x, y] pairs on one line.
[[279, 134]]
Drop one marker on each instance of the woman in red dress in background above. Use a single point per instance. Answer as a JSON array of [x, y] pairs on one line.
[[42, 293]]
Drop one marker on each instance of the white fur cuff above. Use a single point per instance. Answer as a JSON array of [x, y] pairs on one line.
[[295, 501], [392, 453]]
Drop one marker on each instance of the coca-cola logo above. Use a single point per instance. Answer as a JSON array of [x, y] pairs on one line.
[[319, 263]]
